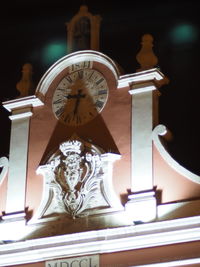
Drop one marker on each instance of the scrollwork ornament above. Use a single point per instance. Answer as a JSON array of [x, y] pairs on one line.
[[77, 181], [77, 177]]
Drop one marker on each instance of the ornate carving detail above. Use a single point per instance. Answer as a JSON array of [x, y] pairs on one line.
[[75, 183]]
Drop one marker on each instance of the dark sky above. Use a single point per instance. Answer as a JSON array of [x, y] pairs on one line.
[[30, 30]]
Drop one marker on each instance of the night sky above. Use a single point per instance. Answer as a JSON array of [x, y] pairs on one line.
[[35, 32]]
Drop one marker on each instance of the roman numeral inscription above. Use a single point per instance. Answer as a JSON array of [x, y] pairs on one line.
[[99, 81], [80, 74], [99, 104], [89, 261], [80, 65], [57, 101], [59, 111], [69, 79], [102, 92]]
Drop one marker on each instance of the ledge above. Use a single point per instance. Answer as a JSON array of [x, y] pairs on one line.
[[29, 101], [102, 241], [147, 75]]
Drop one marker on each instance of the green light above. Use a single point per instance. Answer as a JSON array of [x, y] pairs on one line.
[[184, 33], [53, 51]]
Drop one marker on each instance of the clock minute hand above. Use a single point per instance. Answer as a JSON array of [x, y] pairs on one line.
[[76, 105], [78, 96]]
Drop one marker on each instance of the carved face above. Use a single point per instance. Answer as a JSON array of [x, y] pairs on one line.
[[73, 170]]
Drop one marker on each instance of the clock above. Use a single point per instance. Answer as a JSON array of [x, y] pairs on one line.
[[80, 95]]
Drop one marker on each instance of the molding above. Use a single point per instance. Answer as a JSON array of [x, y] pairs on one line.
[[4, 165], [142, 87], [21, 115], [162, 130], [73, 58], [31, 101], [179, 262], [10, 217], [152, 74], [102, 241]]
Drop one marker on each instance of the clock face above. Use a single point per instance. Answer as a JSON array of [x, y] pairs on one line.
[[80, 96]]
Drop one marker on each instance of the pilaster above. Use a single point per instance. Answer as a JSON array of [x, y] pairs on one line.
[[142, 200], [142, 206], [16, 188]]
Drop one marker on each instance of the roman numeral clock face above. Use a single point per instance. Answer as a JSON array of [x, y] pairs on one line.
[[80, 96]]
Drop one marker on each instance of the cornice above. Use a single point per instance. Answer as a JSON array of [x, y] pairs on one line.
[[29, 101], [147, 75], [102, 241]]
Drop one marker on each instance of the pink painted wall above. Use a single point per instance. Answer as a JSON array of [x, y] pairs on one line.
[[173, 186]]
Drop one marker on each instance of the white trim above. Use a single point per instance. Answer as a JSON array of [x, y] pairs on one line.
[[126, 80], [31, 101], [142, 88], [3, 164], [102, 241], [142, 195], [70, 59], [180, 262], [162, 130], [21, 115]]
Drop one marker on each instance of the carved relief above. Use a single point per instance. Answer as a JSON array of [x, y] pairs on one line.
[[77, 181]]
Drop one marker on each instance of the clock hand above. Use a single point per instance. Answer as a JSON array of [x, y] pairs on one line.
[[76, 105], [78, 98]]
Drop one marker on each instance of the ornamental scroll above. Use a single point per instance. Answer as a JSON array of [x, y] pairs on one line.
[[78, 181]]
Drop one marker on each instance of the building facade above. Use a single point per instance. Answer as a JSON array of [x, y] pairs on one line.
[[89, 181]]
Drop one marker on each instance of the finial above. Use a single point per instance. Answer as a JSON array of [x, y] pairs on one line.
[[25, 85], [146, 57], [83, 9]]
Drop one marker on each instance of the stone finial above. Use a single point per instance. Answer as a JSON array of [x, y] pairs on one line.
[[146, 57], [25, 85], [83, 9]]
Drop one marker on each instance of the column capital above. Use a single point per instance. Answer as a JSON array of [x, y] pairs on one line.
[[21, 113], [142, 76], [142, 87]]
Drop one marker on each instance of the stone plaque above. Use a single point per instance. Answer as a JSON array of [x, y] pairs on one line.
[[86, 261]]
